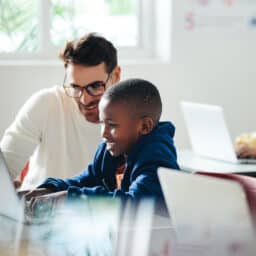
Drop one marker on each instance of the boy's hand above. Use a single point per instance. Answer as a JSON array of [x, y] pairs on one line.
[[28, 194], [44, 203]]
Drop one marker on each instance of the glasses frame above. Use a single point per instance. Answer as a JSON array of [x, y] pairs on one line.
[[84, 88]]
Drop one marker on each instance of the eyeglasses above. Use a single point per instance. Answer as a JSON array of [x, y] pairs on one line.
[[96, 88]]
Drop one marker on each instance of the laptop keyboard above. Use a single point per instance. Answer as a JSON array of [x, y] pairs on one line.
[[42, 215]]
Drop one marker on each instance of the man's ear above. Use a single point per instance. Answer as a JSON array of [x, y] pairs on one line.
[[116, 74], [147, 125]]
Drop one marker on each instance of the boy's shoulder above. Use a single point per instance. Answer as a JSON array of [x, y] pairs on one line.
[[152, 145], [163, 131], [165, 126]]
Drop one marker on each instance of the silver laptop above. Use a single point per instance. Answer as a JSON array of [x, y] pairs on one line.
[[204, 208], [208, 132], [11, 205]]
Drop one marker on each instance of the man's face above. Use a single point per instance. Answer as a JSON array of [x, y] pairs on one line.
[[118, 128], [80, 75]]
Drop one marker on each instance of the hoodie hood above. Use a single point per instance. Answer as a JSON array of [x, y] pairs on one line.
[[159, 144]]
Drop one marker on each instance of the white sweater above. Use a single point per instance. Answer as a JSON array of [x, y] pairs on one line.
[[53, 135]]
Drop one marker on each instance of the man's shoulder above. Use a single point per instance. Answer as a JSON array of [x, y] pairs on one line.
[[46, 97], [51, 92], [41, 102]]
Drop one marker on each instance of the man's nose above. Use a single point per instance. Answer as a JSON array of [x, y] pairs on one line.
[[85, 98]]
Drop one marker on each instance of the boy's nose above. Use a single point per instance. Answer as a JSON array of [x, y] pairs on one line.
[[104, 132]]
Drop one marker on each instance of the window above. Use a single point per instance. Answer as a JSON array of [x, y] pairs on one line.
[[39, 28], [18, 26]]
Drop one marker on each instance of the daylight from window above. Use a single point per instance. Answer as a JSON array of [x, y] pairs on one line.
[[68, 19]]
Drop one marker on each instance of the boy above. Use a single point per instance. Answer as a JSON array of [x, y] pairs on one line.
[[134, 145]]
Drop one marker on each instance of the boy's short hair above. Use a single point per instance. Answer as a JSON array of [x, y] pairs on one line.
[[141, 96], [90, 50]]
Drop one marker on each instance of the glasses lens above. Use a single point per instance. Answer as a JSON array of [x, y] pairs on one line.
[[72, 91], [96, 88]]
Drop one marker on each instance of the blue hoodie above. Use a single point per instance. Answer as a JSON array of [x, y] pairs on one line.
[[140, 177]]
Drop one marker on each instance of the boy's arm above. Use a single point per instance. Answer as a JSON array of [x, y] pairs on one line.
[[86, 178], [144, 185], [144, 182], [90, 177]]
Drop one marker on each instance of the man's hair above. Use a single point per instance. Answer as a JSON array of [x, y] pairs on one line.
[[141, 97], [90, 50]]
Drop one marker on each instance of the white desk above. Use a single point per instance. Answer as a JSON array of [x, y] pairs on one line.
[[190, 162], [44, 240], [18, 239]]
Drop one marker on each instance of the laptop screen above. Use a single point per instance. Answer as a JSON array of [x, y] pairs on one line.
[[10, 205]]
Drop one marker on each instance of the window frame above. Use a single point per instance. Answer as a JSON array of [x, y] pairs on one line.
[[48, 52]]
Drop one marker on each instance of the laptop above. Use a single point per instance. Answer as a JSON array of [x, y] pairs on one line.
[[208, 133], [11, 206], [206, 208]]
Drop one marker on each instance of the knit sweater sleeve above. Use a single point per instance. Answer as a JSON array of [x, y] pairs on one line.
[[26, 131]]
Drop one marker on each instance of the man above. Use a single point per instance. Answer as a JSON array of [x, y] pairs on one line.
[[54, 129]]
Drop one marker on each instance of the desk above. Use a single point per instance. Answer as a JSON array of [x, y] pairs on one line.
[[191, 162], [21, 240], [44, 240]]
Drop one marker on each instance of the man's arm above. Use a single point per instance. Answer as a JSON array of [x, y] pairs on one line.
[[26, 132]]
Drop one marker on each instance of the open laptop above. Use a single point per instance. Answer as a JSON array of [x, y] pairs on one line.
[[208, 132], [11, 206], [206, 209]]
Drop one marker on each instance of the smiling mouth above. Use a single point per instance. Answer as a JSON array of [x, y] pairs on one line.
[[89, 107], [110, 143]]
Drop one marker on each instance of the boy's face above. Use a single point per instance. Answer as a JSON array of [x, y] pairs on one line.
[[119, 128]]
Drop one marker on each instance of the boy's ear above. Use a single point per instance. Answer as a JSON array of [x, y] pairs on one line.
[[147, 125]]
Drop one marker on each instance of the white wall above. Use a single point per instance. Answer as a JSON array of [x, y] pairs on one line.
[[218, 70], [217, 67]]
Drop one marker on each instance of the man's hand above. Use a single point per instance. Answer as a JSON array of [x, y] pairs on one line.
[[17, 183], [45, 203], [28, 194]]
